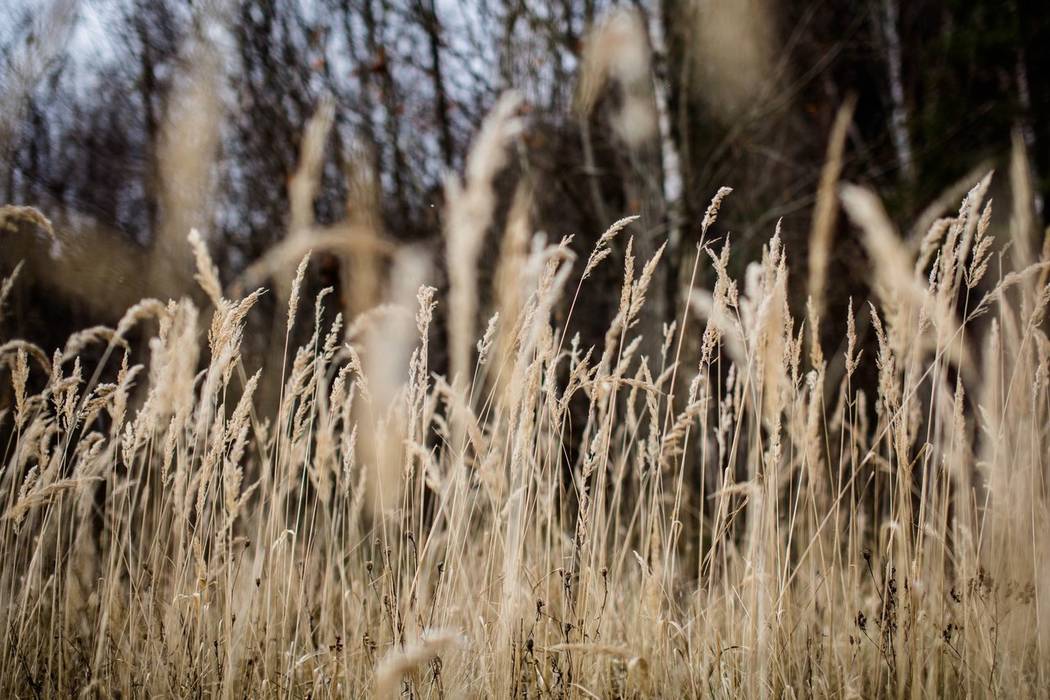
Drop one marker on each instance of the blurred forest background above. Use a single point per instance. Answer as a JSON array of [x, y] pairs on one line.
[[127, 122]]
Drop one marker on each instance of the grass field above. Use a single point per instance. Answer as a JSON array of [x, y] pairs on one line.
[[745, 520]]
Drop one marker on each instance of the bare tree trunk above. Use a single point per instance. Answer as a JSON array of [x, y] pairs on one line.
[[670, 163], [147, 93], [646, 182], [432, 27], [381, 66], [899, 111]]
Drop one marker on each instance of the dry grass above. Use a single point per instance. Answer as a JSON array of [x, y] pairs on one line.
[[391, 531]]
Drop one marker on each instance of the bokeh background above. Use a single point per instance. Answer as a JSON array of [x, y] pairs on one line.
[[126, 122]]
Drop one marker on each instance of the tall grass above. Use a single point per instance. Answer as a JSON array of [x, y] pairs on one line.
[[750, 521]]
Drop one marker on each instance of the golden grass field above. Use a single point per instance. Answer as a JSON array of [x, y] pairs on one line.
[[742, 519]]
